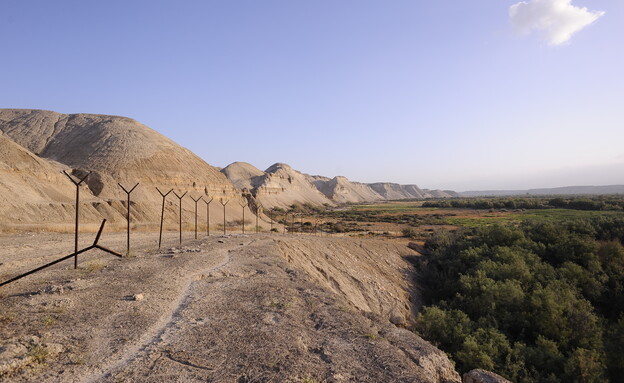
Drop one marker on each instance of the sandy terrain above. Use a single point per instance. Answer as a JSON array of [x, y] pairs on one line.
[[256, 308]]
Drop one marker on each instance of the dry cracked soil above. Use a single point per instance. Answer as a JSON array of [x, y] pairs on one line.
[[255, 308]]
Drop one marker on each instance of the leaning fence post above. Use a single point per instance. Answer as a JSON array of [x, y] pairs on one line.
[[128, 216], [243, 224], [180, 198], [77, 210]]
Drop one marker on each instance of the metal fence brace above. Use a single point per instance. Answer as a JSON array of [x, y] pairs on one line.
[[77, 183], [74, 254]]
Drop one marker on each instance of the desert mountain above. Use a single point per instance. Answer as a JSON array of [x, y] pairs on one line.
[[436, 193], [282, 186], [243, 175], [115, 149], [341, 190], [394, 191]]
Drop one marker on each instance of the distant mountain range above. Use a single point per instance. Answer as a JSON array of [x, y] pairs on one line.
[[566, 190], [281, 186]]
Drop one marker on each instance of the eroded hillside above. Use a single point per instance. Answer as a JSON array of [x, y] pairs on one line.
[[115, 150]]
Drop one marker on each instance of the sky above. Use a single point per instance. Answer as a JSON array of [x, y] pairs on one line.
[[461, 95]]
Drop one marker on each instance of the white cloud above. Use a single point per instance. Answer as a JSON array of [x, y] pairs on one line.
[[558, 20]]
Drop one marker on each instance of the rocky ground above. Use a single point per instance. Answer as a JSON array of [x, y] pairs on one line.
[[256, 308]]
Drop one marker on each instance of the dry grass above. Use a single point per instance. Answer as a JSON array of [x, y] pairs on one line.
[[92, 267], [371, 336], [39, 353], [7, 317], [48, 321]]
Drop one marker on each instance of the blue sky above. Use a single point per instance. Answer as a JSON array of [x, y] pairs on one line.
[[443, 94]]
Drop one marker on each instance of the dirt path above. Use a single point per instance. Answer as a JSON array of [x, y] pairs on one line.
[[163, 328], [222, 309]]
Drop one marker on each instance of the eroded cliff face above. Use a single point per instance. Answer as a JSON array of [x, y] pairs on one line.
[[341, 190], [115, 150], [243, 176], [282, 186]]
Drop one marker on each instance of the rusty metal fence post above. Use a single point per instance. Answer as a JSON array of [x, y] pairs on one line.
[[258, 210], [77, 183], [180, 198], [222, 203], [243, 222], [208, 216], [128, 216], [196, 200]]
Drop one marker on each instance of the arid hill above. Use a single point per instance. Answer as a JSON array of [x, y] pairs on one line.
[[279, 186], [243, 175], [341, 190], [116, 149]]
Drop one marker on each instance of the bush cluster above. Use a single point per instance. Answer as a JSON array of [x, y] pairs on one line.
[[601, 203], [538, 302]]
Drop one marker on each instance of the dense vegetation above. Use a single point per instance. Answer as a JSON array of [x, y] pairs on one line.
[[602, 203], [536, 302]]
